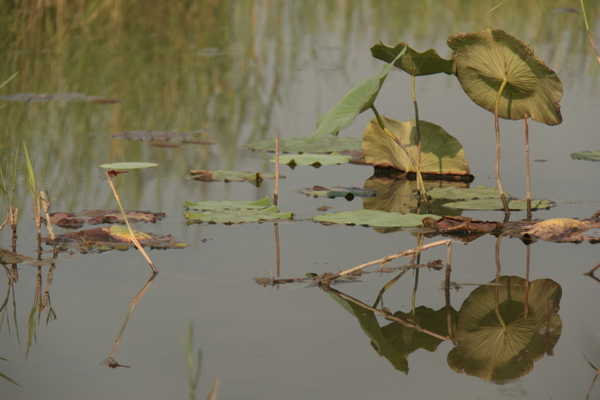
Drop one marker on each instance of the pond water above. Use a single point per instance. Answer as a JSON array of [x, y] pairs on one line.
[[237, 72]]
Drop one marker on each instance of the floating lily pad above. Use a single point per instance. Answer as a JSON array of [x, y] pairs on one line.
[[592, 155], [496, 204], [414, 63], [233, 212], [27, 97], [229, 205], [373, 218], [455, 193], [491, 351], [228, 176], [312, 159], [357, 100], [337, 191], [128, 165], [441, 153], [237, 216], [299, 145], [484, 60]]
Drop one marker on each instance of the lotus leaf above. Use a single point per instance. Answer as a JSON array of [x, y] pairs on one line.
[[299, 145], [561, 230], [491, 351], [357, 100], [229, 205], [128, 165], [454, 193], [313, 159], [413, 62], [237, 216], [373, 218], [441, 153], [484, 60], [587, 155], [496, 204]]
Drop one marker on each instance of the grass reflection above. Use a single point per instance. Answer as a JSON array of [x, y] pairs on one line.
[[228, 66]]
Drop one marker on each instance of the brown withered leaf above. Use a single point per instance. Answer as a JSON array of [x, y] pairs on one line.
[[561, 230], [464, 229], [97, 217]]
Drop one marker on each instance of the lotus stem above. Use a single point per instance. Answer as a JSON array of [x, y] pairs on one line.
[[131, 234], [411, 158], [527, 169], [497, 286], [276, 189], [414, 96], [497, 166]]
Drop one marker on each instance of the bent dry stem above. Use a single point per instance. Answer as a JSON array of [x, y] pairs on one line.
[[133, 239]]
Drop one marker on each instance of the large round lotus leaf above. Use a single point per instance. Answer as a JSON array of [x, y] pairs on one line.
[[414, 63], [357, 100], [490, 351], [483, 60], [441, 153]]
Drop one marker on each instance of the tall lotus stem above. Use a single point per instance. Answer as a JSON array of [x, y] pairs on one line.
[[527, 169], [414, 96], [410, 157], [497, 166]]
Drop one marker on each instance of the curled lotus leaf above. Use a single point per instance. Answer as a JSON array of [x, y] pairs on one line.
[[441, 153], [484, 60], [414, 63], [357, 100]]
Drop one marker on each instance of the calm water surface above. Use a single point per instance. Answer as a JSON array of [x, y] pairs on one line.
[[243, 70]]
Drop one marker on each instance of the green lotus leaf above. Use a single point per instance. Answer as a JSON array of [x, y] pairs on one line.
[[373, 218], [414, 63], [357, 100], [299, 145], [128, 165], [400, 195], [237, 216], [229, 205], [455, 193], [592, 155], [312, 159], [496, 204], [484, 60], [441, 153], [491, 351], [348, 193]]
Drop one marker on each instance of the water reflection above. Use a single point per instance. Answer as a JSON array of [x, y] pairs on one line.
[[499, 331]]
